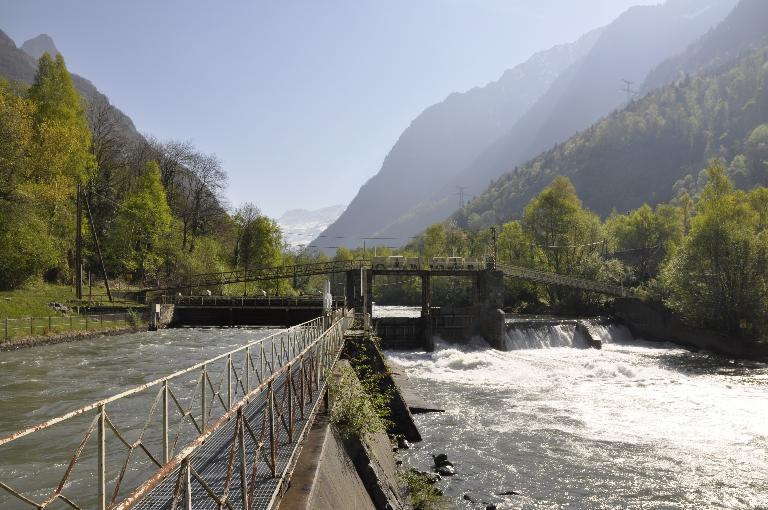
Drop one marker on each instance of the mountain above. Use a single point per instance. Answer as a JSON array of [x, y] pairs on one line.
[[744, 29], [300, 226], [36, 46], [653, 147], [627, 49], [446, 137], [20, 65]]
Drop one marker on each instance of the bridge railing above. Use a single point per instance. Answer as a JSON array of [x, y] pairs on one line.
[[565, 280], [268, 301], [126, 438]]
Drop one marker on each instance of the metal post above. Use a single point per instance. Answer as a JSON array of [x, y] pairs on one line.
[[86, 322], [188, 474], [243, 468], [102, 459], [229, 381], [271, 404], [166, 453], [70, 323], [247, 370], [290, 405], [31, 326], [50, 329], [6, 328], [202, 401]]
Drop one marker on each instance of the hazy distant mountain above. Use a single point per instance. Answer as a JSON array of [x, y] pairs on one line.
[[20, 64], [639, 154], [448, 136], [627, 49], [301, 226], [744, 29]]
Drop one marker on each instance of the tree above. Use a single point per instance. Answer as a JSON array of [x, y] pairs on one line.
[[16, 128], [142, 222], [203, 182], [645, 235], [719, 276]]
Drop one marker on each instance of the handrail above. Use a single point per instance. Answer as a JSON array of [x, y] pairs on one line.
[[565, 280], [197, 412]]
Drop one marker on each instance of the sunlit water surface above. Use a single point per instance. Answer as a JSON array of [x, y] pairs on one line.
[[634, 425]]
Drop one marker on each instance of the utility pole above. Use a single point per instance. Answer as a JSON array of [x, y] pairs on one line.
[[628, 89], [98, 248], [460, 193], [79, 244]]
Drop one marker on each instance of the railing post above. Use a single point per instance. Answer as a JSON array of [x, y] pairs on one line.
[[202, 401], [6, 328], [247, 370], [166, 453], [271, 403], [49, 325], [31, 326], [102, 458], [243, 467], [70, 323], [229, 382], [290, 405], [188, 475], [86, 322]]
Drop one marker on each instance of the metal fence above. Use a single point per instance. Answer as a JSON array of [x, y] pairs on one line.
[[157, 433], [244, 301], [565, 281], [31, 326]]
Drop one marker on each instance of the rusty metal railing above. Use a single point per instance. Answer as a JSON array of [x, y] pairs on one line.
[[156, 430], [565, 281], [51, 324]]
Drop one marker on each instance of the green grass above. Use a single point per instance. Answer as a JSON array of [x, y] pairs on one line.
[[32, 300]]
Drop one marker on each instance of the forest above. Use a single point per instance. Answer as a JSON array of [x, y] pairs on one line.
[[157, 207]]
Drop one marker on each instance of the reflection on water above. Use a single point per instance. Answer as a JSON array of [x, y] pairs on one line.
[[634, 425]]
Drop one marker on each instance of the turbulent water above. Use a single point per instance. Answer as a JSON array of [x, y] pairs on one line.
[[44, 382], [634, 425]]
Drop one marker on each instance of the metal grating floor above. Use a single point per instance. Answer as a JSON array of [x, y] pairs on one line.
[[211, 459]]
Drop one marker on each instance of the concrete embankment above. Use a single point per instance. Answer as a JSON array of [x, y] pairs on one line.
[[60, 338], [653, 321], [359, 470]]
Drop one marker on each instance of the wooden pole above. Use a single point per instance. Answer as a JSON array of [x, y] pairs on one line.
[[79, 245], [98, 247]]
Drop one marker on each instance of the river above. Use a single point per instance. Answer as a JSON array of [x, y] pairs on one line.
[[634, 425], [40, 383]]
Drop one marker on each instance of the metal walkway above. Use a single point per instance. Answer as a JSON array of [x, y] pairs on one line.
[[227, 441], [208, 280]]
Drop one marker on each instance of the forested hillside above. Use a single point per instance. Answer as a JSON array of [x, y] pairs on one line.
[[639, 154]]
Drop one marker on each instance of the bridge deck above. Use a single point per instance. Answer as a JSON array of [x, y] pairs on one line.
[[212, 460]]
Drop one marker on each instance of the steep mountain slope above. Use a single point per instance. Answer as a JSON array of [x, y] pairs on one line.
[[20, 65], [448, 136], [627, 49], [636, 155], [742, 30]]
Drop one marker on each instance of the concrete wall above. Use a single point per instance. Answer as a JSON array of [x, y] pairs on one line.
[[231, 316], [325, 477], [653, 321], [344, 473]]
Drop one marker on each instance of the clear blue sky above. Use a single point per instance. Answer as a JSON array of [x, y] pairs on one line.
[[300, 99]]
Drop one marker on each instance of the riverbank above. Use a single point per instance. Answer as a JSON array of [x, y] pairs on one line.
[[28, 342]]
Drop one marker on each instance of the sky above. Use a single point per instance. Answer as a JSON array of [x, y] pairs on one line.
[[300, 99]]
